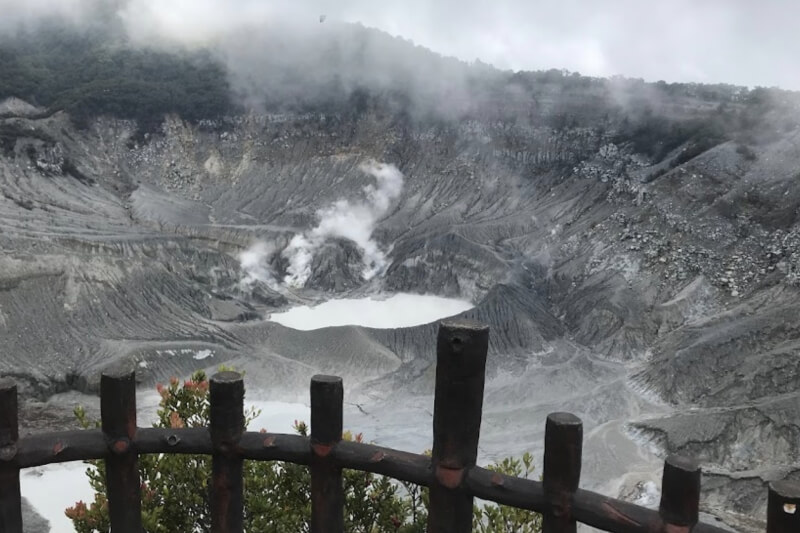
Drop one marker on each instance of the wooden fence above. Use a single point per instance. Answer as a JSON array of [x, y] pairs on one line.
[[450, 473]]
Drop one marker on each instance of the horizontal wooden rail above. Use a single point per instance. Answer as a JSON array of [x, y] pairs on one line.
[[450, 473], [588, 507], [62, 447]]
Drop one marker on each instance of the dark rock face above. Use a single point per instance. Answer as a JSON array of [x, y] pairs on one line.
[[337, 267], [583, 249], [32, 521]]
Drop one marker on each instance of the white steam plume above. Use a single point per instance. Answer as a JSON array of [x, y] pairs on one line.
[[255, 266], [352, 220]]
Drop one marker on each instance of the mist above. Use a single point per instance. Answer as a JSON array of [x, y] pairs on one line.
[[743, 43]]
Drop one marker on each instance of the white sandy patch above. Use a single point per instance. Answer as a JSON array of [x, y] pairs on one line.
[[51, 489], [396, 311], [203, 354], [278, 417]]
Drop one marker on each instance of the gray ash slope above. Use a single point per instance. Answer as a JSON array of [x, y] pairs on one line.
[[608, 232]]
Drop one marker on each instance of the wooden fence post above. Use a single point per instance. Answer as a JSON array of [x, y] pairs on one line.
[[118, 420], [226, 425], [563, 449], [680, 494], [10, 497], [783, 507], [460, 376], [327, 493]]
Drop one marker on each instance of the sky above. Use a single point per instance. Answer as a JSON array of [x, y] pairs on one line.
[[743, 42], [733, 41]]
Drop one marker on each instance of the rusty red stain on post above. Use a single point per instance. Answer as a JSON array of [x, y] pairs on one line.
[[121, 446], [321, 450], [58, 447], [618, 516], [378, 457], [220, 488], [497, 480], [449, 477], [269, 442], [461, 350], [672, 528]]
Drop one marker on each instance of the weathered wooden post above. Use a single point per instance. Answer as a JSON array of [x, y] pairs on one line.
[[10, 497], [783, 507], [680, 494], [563, 449], [460, 375], [118, 421], [226, 425], [327, 493]]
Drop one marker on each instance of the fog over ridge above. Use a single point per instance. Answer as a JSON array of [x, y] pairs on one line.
[[715, 41]]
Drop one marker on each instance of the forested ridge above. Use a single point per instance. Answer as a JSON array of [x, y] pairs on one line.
[[95, 70], [89, 72]]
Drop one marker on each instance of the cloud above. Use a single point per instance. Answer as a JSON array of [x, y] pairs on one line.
[[193, 22], [14, 13], [730, 41]]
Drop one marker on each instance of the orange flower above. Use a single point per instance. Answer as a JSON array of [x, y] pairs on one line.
[[175, 420], [77, 512]]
